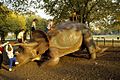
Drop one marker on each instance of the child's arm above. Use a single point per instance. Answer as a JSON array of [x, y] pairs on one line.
[[6, 48], [0, 52], [4, 44], [11, 47]]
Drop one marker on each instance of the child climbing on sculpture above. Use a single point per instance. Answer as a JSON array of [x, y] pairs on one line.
[[12, 58]]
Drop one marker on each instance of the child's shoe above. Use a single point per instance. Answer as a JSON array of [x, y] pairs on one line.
[[10, 69], [16, 63]]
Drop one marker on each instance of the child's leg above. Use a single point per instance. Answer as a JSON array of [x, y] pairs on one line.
[[1, 60], [11, 62], [15, 60]]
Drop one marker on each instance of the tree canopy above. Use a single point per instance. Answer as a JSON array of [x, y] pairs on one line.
[[13, 21], [86, 11]]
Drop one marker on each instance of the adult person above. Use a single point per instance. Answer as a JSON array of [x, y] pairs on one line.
[[20, 36], [12, 58], [1, 52], [33, 27]]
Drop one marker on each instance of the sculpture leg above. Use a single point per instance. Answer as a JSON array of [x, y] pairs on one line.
[[90, 45], [92, 52], [54, 58]]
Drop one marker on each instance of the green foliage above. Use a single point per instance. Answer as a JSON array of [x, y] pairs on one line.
[[40, 24], [4, 12], [10, 21], [13, 22], [87, 11]]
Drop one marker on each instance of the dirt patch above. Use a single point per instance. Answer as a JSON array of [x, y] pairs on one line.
[[106, 67]]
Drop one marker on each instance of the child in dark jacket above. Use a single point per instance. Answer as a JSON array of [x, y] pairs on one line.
[[1, 51]]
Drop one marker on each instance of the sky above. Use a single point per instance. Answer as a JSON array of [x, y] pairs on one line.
[[42, 14], [39, 12]]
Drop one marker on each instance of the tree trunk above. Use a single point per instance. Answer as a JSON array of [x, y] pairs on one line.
[[2, 37]]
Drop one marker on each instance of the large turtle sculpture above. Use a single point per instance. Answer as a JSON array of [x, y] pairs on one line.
[[66, 38]]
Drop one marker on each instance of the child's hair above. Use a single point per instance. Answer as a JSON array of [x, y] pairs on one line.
[[9, 48], [22, 30], [35, 19]]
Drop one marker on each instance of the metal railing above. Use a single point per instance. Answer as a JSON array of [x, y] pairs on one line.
[[103, 41]]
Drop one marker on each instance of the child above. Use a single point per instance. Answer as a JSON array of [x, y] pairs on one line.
[[20, 36], [50, 25], [9, 50], [1, 51], [33, 27]]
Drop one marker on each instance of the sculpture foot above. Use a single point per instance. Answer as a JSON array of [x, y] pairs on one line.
[[93, 56], [51, 62]]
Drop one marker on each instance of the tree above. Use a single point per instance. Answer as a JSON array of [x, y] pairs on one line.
[[10, 21], [4, 12], [40, 24], [86, 11]]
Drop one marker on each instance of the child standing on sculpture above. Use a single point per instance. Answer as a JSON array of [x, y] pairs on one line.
[[20, 36], [50, 25], [33, 27], [9, 50]]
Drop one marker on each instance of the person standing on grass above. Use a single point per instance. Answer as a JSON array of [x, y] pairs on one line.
[[12, 58], [1, 53]]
